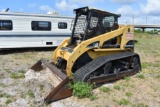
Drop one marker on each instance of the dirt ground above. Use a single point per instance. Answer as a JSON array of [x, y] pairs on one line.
[[140, 90]]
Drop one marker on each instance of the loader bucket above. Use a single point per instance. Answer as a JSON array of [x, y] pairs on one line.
[[61, 90]]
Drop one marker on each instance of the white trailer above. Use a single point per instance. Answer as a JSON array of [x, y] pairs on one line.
[[23, 30]]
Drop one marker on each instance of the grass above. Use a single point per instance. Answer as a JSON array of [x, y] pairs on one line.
[[97, 106], [127, 78], [8, 101], [123, 102], [2, 85], [105, 89], [148, 64], [5, 95], [9, 98], [158, 76], [140, 105], [41, 87], [148, 44], [145, 64], [141, 76], [82, 90], [92, 97], [7, 70], [2, 75], [117, 87], [30, 93], [128, 94], [22, 95], [127, 84], [17, 75], [21, 71], [20, 74], [156, 65]]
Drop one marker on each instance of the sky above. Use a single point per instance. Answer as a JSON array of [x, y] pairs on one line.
[[132, 11]]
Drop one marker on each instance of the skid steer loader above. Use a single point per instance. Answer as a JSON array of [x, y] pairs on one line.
[[99, 50]]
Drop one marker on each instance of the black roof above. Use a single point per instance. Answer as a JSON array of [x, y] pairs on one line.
[[86, 9]]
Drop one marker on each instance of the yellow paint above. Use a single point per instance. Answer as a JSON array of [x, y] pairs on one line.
[[93, 53]]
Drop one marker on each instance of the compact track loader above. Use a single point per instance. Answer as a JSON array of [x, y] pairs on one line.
[[99, 50]]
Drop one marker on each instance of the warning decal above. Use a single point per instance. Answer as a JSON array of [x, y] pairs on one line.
[[129, 36]]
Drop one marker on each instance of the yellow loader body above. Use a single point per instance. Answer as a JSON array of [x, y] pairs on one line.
[[99, 50]]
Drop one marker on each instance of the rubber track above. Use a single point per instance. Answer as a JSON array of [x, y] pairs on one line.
[[81, 73]]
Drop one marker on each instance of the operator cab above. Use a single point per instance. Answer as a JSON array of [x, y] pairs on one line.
[[90, 23]]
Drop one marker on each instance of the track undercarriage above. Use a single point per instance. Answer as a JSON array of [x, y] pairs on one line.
[[107, 68]]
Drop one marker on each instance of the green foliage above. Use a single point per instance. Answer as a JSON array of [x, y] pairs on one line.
[[2, 75], [141, 76], [145, 64], [5, 95], [158, 76], [7, 70], [20, 74], [123, 102], [138, 30], [128, 94], [2, 85], [82, 90], [105, 89], [41, 87], [8, 101], [140, 105], [132, 86], [22, 95], [127, 78], [155, 31], [21, 71], [92, 97], [17, 75], [97, 106], [30, 93], [117, 87], [156, 65]]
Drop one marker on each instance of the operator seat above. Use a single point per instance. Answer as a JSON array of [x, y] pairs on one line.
[[112, 42]]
